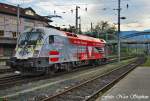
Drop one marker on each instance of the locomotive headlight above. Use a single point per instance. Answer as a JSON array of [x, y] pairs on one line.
[[36, 53]]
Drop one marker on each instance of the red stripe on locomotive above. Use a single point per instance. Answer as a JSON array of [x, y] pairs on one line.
[[55, 59], [53, 52], [85, 56]]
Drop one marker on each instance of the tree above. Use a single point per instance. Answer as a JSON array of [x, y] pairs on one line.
[[70, 29], [102, 28]]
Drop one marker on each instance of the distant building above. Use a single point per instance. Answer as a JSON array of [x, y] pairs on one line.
[[8, 25]]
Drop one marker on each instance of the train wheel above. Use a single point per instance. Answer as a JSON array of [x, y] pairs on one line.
[[68, 67], [98, 62], [55, 67], [52, 69], [74, 64], [92, 62], [48, 71]]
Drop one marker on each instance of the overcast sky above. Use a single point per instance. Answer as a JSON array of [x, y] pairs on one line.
[[138, 13]]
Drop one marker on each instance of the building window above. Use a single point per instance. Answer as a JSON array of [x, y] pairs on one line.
[[14, 34], [13, 21], [29, 12], [1, 19], [8, 51], [1, 33], [1, 51]]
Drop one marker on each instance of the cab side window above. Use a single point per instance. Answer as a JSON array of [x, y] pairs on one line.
[[100, 50], [51, 39]]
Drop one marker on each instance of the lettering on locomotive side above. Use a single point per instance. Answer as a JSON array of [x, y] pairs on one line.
[[86, 43]]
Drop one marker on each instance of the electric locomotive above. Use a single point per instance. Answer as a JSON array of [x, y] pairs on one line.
[[47, 50]]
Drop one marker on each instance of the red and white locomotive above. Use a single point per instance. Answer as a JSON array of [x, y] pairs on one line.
[[47, 50]]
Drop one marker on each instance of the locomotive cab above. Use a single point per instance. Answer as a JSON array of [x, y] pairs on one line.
[[27, 50], [28, 44]]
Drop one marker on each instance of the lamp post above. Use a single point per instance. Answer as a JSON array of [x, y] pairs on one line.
[[18, 15], [119, 1], [79, 24], [76, 20], [106, 38]]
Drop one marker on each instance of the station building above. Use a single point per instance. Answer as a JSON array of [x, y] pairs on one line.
[[8, 26]]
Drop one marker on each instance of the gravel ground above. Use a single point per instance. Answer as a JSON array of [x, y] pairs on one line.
[[39, 89], [84, 91]]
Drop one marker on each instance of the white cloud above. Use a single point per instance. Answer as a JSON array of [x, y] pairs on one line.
[[18, 1], [136, 26], [138, 13]]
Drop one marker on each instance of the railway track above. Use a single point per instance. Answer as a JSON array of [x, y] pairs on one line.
[[10, 81], [5, 70], [110, 59], [7, 78], [89, 90]]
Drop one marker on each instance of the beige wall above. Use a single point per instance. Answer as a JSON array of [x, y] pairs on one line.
[[9, 24]]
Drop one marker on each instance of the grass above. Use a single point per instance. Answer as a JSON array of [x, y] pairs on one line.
[[147, 63]]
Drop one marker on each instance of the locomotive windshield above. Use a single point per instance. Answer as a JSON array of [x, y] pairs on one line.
[[30, 38]]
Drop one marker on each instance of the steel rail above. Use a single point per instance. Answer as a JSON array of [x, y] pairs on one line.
[[60, 95], [9, 81], [109, 85]]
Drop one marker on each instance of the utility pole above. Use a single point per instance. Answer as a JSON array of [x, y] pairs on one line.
[[119, 2], [106, 38], [76, 20], [80, 24], [91, 27], [18, 15]]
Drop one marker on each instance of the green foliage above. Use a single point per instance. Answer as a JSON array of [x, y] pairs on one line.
[[147, 63], [101, 29]]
